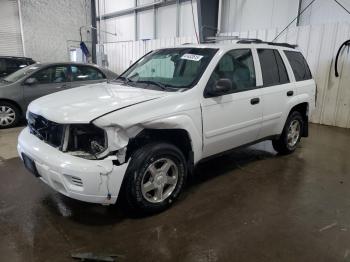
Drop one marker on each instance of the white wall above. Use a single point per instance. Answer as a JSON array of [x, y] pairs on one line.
[[51, 27], [324, 11], [166, 20], [123, 26], [242, 15], [109, 6], [186, 27], [10, 32], [145, 26]]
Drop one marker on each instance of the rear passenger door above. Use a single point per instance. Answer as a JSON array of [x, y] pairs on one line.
[[84, 75], [277, 90], [304, 83]]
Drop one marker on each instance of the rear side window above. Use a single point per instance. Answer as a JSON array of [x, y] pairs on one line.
[[272, 67], [299, 65]]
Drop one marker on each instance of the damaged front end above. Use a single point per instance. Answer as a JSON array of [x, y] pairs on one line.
[[86, 141]]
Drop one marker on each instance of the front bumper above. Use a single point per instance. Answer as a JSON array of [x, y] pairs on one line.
[[86, 180]]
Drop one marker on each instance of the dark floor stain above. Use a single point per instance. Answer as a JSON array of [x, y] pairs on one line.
[[249, 205]]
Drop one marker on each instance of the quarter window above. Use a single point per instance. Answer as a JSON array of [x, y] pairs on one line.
[[54, 74], [299, 65], [86, 73], [238, 66], [272, 67]]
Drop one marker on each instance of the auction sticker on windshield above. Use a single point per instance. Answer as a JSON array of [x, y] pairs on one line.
[[192, 57]]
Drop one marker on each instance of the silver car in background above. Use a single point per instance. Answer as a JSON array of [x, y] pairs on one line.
[[17, 90]]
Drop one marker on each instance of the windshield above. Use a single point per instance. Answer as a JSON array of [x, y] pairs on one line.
[[170, 68], [21, 73]]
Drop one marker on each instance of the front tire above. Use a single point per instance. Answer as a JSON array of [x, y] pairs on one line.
[[155, 178], [9, 115], [291, 134]]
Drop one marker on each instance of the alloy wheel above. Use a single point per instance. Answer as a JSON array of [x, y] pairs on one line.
[[159, 180], [293, 134], [7, 116]]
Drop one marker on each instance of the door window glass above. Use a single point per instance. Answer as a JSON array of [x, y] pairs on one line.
[[272, 67], [299, 65], [86, 73], [238, 66], [54, 74]]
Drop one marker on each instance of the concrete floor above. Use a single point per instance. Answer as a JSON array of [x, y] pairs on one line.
[[250, 205]]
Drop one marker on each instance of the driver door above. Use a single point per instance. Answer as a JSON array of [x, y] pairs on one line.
[[48, 80], [235, 118]]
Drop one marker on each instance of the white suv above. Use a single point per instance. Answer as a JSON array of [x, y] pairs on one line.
[[140, 136]]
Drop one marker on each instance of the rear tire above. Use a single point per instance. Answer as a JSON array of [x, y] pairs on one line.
[[155, 178], [291, 134], [9, 115]]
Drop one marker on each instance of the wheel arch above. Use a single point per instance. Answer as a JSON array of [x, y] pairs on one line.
[[303, 109], [175, 136]]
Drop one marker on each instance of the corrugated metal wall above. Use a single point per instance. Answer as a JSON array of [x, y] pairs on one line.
[[10, 30], [318, 43], [241, 15]]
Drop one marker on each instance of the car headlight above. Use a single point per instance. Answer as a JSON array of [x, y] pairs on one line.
[[86, 141]]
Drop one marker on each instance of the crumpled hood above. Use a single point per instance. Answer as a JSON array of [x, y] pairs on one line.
[[84, 104]]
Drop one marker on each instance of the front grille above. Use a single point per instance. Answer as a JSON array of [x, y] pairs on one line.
[[50, 132]]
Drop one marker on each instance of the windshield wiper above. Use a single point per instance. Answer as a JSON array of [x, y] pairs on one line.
[[162, 86], [124, 79]]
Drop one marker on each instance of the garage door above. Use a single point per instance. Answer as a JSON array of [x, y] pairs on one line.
[[10, 31]]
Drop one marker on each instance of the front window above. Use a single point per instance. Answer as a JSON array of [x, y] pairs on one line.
[[171, 68], [237, 66], [18, 75], [53, 74]]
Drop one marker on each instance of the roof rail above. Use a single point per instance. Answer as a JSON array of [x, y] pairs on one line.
[[247, 41], [211, 39], [282, 44], [250, 41]]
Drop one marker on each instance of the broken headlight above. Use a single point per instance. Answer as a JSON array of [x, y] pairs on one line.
[[86, 141]]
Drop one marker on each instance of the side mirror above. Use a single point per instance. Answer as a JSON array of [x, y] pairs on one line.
[[221, 87], [30, 81]]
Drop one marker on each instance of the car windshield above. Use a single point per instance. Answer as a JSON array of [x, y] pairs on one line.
[[171, 68], [14, 77]]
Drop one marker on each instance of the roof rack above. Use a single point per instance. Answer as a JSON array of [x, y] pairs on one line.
[[213, 39], [259, 41], [283, 44], [247, 41], [250, 41]]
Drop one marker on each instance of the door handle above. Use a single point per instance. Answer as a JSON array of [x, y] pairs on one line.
[[255, 101], [290, 93]]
